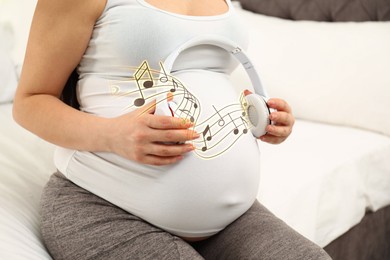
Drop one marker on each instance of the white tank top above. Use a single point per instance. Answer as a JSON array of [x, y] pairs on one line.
[[209, 188]]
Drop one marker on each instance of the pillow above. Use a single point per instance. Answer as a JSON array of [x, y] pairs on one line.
[[8, 78], [337, 73], [18, 14], [319, 10], [14, 29]]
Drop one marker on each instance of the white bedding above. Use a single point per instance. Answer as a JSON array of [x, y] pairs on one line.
[[324, 177], [320, 181], [25, 166]]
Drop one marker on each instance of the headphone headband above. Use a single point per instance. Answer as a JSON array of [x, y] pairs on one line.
[[229, 46], [257, 109]]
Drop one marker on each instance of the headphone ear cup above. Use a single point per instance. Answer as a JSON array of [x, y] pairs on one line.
[[258, 114]]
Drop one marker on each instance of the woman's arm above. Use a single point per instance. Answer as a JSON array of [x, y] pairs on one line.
[[59, 36]]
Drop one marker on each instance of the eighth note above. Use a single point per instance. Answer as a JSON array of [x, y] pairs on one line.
[[207, 129], [174, 86], [144, 68]]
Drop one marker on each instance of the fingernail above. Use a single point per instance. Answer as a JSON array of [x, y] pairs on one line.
[[247, 92], [169, 96], [190, 148], [195, 135]]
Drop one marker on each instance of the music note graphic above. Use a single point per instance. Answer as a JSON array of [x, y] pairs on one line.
[[245, 125], [141, 71], [243, 99], [221, 128], [163, 79], [115, 89], [188, 113], [208, 138], [190, 98], [175, 86], [243, 103], [235, 131], [221, 122]]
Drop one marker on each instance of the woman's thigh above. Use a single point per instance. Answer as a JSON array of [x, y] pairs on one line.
[[258, 234], [79, 225]]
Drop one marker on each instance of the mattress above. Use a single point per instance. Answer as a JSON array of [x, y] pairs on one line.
[[320, 181], [323, 179]]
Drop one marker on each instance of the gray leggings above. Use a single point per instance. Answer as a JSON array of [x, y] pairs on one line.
[[77, 224]]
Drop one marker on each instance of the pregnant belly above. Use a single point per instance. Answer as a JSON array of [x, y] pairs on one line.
[[201, 194], [193, 198]]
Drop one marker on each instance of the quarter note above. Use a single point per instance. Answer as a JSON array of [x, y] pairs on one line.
[[208, 138], [245, 125]]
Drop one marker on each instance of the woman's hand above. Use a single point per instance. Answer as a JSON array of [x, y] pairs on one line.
[[282, 120], [150, 139]]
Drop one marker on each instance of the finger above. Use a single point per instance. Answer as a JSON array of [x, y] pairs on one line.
[[173, 135], [272, 139], [165, 150], [167, 122], [280, 131], [279, 104], [281, 118], [161, 160]]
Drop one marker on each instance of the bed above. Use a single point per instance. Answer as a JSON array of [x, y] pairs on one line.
[[330, 60], [330, 180]]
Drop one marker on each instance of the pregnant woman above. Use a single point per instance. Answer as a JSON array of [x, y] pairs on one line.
[[132, 184]]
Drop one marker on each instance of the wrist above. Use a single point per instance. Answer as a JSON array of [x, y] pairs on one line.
[[102, 141]]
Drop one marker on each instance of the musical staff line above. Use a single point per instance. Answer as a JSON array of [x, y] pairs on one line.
[[216, 133], [219, 153], [220, 131]]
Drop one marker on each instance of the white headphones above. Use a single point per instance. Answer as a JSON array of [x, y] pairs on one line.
[[256, 107]]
